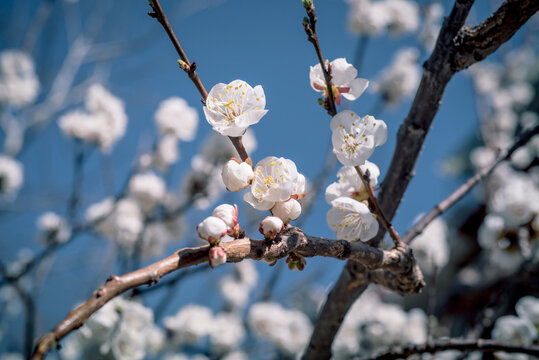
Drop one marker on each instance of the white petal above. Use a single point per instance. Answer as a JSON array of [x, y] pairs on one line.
[[259, 205], [316, 76], [342, 72], [357, 87], [337, 190]]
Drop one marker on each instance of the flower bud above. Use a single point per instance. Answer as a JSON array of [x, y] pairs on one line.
[[287, 210], [229, 214], [217, 256], [295, 262], [237, 175], [212, 229], [270, 227]]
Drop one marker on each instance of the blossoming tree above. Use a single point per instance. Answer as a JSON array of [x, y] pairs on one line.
[[455, 301]]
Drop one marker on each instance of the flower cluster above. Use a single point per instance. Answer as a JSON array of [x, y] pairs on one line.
[[354, 139], [19, 85], [373, 17], [102, 122], [176, 121]]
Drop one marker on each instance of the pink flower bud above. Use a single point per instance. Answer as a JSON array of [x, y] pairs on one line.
[[270, 227], [287, 210], [212, 229], [217, 256]]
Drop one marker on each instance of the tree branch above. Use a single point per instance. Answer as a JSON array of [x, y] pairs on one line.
[[398, 261], [431, 347], [437, 72], [458, 194]]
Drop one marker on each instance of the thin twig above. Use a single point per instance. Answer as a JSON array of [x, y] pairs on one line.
[[458, 194], [190, 68], [366, 184], [484, 345], [309, 24]]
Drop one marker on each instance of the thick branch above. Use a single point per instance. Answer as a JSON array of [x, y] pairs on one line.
[[475, 44], [458, 194], [437, 72], [398, 261], [457, 344]]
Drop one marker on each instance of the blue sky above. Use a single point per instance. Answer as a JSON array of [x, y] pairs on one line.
[[261, 42]]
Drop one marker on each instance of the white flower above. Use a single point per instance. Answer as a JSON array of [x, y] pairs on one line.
[[231, 108], [190, 324], [401, 78], [217, 256], [367, 17], [275, 180], [237, 175], [344, 81], [355, 138], [53, 228], [528, 308], [351, 220], [175, 116], [103, 122], [226, 333], [19, 85], [514, 330], [11, 176], [167, 152], [212, 229], [228, 213], [350, 184], [430, 248], [404, 16], [287, 210], [270, 227], [290, 330], [149, 190]]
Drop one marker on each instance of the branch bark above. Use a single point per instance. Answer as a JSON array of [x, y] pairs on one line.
[[398, 261], [454, 50], [484, 345]]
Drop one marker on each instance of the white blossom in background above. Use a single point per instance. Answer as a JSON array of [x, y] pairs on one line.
[[343, 79], [351, 220], [354, 138], [431, 25], [19, 84], [528, 308], [166, 153], [375, 17], [103, 121], [190, 324], [350, 184], [404, 16], [174, 116], [11, 356], [237, 175], [275, 180], [516, 331], [121, 329], [123, 221], [53, 229], [431, 249], [401, 78], [11, 176], [232, 108], [289, 330], [235, 287], [158, 235], [226, 332], [148, 189]]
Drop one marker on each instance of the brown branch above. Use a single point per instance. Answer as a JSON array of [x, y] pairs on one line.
[[399, 261], [160, 16], [458, 194], [437, 72], [310, 29], [190, 68], [381, 217], [475, 44], [431, 347]]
